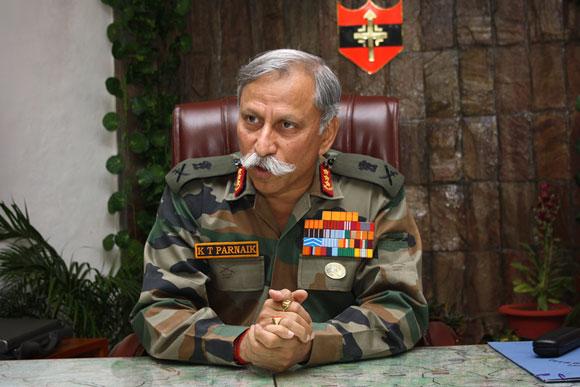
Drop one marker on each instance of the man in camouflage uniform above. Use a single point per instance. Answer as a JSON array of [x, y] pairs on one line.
[[228, 276]]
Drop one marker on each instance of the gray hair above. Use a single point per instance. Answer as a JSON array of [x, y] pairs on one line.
[[327, 86]]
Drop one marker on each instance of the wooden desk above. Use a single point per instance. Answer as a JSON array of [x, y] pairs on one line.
[[448, 366], [70, 348]]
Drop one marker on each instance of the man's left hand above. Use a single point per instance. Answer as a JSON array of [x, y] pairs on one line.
[[267, 350]]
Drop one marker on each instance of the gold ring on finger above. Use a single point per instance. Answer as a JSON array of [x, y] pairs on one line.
[[286, 305], [276, 320]]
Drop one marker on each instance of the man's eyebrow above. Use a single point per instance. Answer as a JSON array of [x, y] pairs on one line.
[[289, 117], [248, 110]]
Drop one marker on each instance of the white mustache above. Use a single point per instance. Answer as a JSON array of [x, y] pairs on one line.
[[269, 163]]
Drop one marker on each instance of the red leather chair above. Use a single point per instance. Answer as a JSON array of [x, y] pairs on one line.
[[368, 125]]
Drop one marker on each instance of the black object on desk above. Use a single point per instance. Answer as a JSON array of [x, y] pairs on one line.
[[558, 342], [24, 338]]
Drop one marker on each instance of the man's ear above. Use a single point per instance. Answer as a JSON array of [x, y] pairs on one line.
[[328, 136]]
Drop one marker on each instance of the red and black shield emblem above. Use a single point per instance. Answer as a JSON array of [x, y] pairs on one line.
[[370, 36]]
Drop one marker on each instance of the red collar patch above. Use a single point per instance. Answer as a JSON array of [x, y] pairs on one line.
[[240, 181], [326, 180]]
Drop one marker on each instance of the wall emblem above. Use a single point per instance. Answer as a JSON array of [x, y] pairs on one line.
[[370, 36]]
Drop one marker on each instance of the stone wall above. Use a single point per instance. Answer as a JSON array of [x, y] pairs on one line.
[[487, 90]]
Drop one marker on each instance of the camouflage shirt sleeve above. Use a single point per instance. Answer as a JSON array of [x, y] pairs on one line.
[[172, 317], [390, 315]]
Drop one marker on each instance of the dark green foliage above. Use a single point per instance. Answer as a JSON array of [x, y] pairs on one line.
[[504, 335], [114, 87], [144, 177], [138, 143], [184, 44], [545, 274], [145, 220], [115, 165], [117, 202], [38, 283], [109, 242], [148, 37], [113, 31], [159, 139], [442, 312], [573, 319], [111, 121], [182, 7], [122, 239]]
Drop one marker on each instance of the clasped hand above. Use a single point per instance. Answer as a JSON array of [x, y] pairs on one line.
[[277, 347]]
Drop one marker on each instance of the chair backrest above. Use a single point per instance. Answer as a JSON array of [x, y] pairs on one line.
[[368, 125]]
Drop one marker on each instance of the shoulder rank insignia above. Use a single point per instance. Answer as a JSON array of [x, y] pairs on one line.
[[338, 234], [192, 169], [326, 180], [240, 181], [367, 168]]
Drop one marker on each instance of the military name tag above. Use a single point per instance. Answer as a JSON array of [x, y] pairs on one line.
[[213, 250]]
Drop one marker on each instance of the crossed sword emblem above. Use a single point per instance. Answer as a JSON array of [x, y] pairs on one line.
[[370, 35]]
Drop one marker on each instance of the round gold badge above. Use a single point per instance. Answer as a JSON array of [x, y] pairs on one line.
[[335, 270]]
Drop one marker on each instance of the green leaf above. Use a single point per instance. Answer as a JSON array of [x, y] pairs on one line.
[[157, 191], [110, 3], [128, 13], [144, 177], [111, 121], [184, 44], [114, 87], [523, 288], [542, 302], [578, 103], [519, 266], [180, 24], [114, 31], [182, 7], [122, 239], [134, 249], [171, 63], [115, 164], [145, 221], [138, 142], [109, 242], [577, 146], [138, 105], [159, 139], [118, 50], [158, 173], [116, 202]]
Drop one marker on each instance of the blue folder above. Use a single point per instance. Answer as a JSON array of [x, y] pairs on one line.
[[565, 368]]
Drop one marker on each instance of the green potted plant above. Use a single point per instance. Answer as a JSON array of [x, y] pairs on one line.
[[544, 275], [36, 282]]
